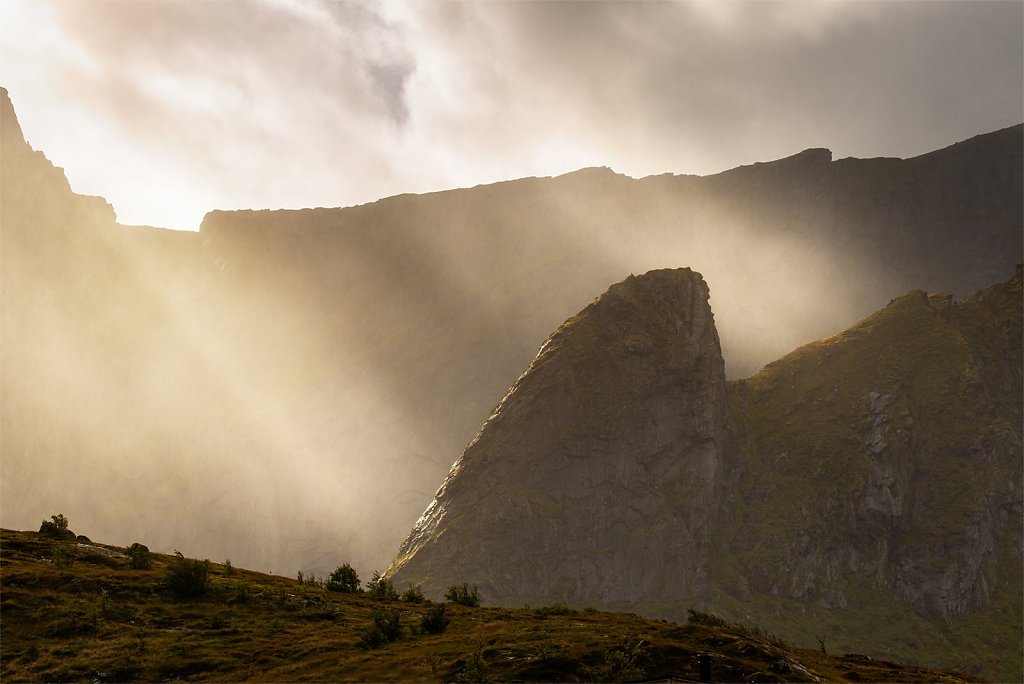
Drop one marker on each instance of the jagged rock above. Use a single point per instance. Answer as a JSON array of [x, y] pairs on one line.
[[875, 475], [601, 474]]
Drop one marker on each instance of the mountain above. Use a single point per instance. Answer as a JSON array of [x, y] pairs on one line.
[[77, 611], [864, 489], [598, 478], [294, 384]]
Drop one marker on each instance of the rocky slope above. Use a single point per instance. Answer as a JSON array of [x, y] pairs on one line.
[[865, 489], [598, 478], [295, 383]]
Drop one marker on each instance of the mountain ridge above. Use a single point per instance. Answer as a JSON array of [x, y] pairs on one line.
[[369, 344], [873, 475]]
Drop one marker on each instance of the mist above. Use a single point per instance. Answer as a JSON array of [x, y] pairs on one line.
[[287, 389]]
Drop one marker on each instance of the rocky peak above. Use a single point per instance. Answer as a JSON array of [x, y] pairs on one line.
[[598, 476]]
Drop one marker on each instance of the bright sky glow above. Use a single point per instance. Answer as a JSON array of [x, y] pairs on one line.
[[170, 109]]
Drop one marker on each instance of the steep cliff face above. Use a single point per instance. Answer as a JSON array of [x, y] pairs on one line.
[[601, 474], [872, 477], [369, 343]]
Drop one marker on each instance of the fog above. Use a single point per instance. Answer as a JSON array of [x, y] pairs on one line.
[[287, 389]]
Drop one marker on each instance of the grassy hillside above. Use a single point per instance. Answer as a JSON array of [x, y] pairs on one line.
[[886, 461], [76, 611]]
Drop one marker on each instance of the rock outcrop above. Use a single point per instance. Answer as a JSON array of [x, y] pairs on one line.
[[601, 474], [861, 484]]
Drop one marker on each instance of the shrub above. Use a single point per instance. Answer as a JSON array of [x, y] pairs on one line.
[[344, 579], [699, 618], [138, 557], [475, 669], [555, 609], [463, 594], [381, 589], [240, 593], [386, 627], [622, 664], [229, 569], [56, 526], [63, 557], [414, 594], [187, 577], [434, 620]]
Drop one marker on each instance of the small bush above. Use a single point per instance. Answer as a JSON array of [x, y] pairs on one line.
[[555, 609], [381, 589], [138, 557], [698, 618], [414, 594], [463, 594], [475, 669], [229, 569], [187, 577], [240, 593], [63, 557], [386, 627], [434, 620], [344, 579], [56, 526], [622, 664]]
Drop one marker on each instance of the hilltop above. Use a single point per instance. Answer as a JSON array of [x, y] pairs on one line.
[[74, 611]]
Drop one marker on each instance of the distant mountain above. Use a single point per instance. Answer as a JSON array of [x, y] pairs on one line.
[[865, 489], [293, 384]]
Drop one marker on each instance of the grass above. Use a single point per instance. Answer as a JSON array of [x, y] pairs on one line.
[[950, 448], [99, 620]]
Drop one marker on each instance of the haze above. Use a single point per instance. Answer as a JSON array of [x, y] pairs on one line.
[[288, 389], [172, 109]]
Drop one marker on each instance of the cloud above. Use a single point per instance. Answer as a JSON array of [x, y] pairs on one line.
[[170, 109]]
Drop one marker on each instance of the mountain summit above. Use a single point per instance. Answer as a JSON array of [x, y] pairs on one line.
[[599, 476]]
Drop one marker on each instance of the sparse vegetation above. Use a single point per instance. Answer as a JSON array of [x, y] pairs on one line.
[[381, 589], [63, 557], [386, 627], [555, 609], [187, 577], [102, 617], [622, 664], [414, 594], [475, 668], [698, 618], [463, 594], [344, 579], [138, 557], [434, 620], [56, 526]]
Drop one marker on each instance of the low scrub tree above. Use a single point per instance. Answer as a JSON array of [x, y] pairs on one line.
[[138, 557], [344, 579], [463, 594], [381, 589], [386, 627], [414, 594], [434, 620], [56, 526], [187, 577]]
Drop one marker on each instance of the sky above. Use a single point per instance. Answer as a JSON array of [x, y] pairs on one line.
[[170, 109]]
